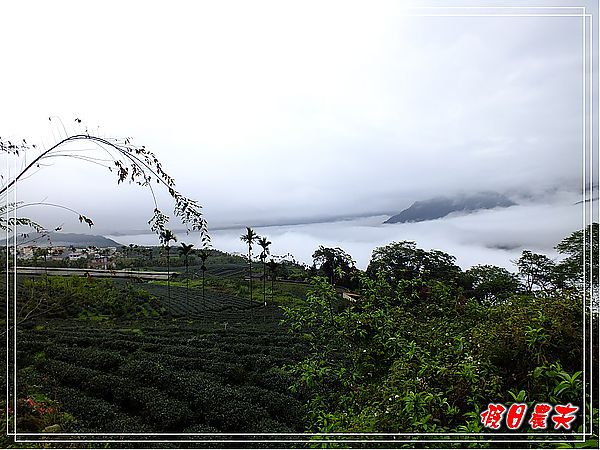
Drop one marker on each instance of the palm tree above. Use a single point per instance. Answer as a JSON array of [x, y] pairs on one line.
[[264, 243], [249, 238], [185, 250], [165, 238], [272, 268], [203, 254]]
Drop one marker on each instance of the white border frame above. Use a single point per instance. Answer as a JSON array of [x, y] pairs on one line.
[[587, 108]]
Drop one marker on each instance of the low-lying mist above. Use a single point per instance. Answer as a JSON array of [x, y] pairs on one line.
[[495, 236]]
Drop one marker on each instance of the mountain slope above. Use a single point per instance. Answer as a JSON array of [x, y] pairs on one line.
[[438, 207], [66, 239]]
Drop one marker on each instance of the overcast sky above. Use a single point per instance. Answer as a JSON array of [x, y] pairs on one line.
[[275, 111]]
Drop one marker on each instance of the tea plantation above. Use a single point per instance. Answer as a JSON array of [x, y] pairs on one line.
[[192, 365]]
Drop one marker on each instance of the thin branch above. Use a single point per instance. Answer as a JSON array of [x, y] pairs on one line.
[[136, 163]]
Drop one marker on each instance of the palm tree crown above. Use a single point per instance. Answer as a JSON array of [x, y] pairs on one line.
[[203, 255], [166, 237], [264, 243], [249, 238], [185, 249]]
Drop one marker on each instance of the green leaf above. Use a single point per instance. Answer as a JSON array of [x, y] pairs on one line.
[[561, 387]]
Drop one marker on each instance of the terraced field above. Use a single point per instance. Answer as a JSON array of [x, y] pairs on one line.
[[184, 303], [227, 270], [222, 373], [190, 366]]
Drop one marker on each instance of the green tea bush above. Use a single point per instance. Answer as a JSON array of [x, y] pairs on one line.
[[91, 357], [164, 412], [147, 373], [171, 376], [95, 414], [83, 297]]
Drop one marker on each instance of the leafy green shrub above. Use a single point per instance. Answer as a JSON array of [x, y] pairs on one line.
[[529, 331], [425, 358]]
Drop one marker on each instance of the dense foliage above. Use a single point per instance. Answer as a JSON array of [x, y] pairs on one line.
[[424, 347], [335, 264], [393, 362]]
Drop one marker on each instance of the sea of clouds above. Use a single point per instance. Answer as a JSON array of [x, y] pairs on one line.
[[496, 236]]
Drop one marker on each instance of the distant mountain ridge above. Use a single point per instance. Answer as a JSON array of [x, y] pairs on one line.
[[438, 207], [65, 239]]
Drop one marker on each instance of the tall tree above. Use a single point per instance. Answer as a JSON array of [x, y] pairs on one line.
[[579, 245], [249, 238], [185, 250], [264, 243], [203, 254], [536, 271], [405, 261], [331, 261], [491, 284], [165, 238]]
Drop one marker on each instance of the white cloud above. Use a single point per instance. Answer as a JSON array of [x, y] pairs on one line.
[[271, 110], [486, 237]]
